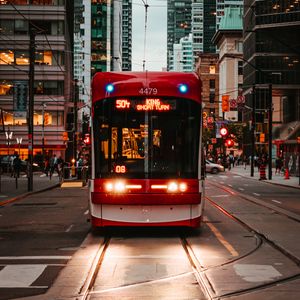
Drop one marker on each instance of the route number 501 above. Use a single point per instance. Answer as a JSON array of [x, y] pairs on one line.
[[148, 91]]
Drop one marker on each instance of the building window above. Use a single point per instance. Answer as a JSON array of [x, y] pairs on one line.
[[240, 67], [22, 58], [49, 87], [212, 83], [212, 98], [212, 69], [6, 57], [7, 27], [6, 87]]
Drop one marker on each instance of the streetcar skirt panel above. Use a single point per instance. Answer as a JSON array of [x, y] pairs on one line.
[[145, 215]]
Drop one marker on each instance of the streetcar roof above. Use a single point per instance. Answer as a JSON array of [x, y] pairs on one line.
[[131, 84]]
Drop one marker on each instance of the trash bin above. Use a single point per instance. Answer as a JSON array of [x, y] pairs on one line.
[[66, 173]]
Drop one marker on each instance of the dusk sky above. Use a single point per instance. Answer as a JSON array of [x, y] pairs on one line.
[[156, 36]]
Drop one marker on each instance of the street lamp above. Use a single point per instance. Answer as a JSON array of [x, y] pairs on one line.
[[8, 135], [43, 130], [19, 142]]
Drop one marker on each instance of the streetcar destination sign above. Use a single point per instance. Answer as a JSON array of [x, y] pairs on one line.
[[148, 104]]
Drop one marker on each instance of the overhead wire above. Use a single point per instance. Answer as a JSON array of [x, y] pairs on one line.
[[145, 32]]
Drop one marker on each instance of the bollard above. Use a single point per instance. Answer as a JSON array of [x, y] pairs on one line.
[[262, 172], [286, 174], [73, 171]]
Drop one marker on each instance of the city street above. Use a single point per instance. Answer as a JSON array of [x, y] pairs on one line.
[[240, 250]]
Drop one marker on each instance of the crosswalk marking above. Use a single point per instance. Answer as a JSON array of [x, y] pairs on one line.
[[20, 276], [35, 257]]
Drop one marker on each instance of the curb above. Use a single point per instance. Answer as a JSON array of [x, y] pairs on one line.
[[22, 196]]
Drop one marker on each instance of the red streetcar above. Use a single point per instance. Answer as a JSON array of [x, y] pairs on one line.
[[146, 149]]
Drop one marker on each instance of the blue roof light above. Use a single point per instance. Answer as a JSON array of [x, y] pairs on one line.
[[183, 88], [110, 88]]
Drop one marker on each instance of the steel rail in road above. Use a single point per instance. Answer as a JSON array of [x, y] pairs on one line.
[[263, 239]]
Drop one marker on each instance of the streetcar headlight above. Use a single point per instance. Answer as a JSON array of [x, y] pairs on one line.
[[172, 187], [109, 187], [182, 187], [119, 187]]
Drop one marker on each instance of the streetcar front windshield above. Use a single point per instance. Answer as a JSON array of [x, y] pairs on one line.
[[146, 138]]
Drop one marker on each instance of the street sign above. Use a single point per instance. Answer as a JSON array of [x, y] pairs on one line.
[[233, 103], [20, 96], [240, 99]]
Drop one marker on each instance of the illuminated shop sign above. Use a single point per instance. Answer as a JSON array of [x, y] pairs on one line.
[[148, 104]]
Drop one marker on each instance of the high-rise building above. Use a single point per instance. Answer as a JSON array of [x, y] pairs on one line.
[[52, 22], [183, 55], [197, 27], [229, 42], [126, 35], [272, 65], [178, 25]]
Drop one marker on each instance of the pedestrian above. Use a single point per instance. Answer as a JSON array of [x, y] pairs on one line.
[[53, 165], [46, 165], [79, 167], [11, 164], [245, 162], [278, 165], [17, 166]]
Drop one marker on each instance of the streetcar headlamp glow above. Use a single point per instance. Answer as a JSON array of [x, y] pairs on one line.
[[119, 187], [182, 187], [183, 88], [110, 88], [109, 187], [172, 187]]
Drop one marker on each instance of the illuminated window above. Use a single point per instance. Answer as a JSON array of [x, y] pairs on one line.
[[6, 88], [6, 57], [212, 69], [22, 57]]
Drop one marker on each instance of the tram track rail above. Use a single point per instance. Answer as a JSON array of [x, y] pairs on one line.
[[204, 281], [94, 270], [198, 270], [252, 199]]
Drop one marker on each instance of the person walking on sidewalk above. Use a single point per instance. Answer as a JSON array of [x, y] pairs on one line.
[[17, 166], [245, 161], [53, 165], [278, 165]]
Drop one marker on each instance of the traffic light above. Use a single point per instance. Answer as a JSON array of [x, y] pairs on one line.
[[229, 143], [223, 132], [225, 103], [87, 139], [65, 136]]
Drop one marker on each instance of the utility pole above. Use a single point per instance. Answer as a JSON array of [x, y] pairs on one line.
[[31, 107], [253, 137], [76, 96], [270, 121], [43, 130]]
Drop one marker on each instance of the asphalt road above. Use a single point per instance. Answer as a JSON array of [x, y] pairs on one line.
[[283, 197], [47, 250], [39, 234]]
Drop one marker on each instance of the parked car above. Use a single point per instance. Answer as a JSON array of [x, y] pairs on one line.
[[5, 164], [213, 168]]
